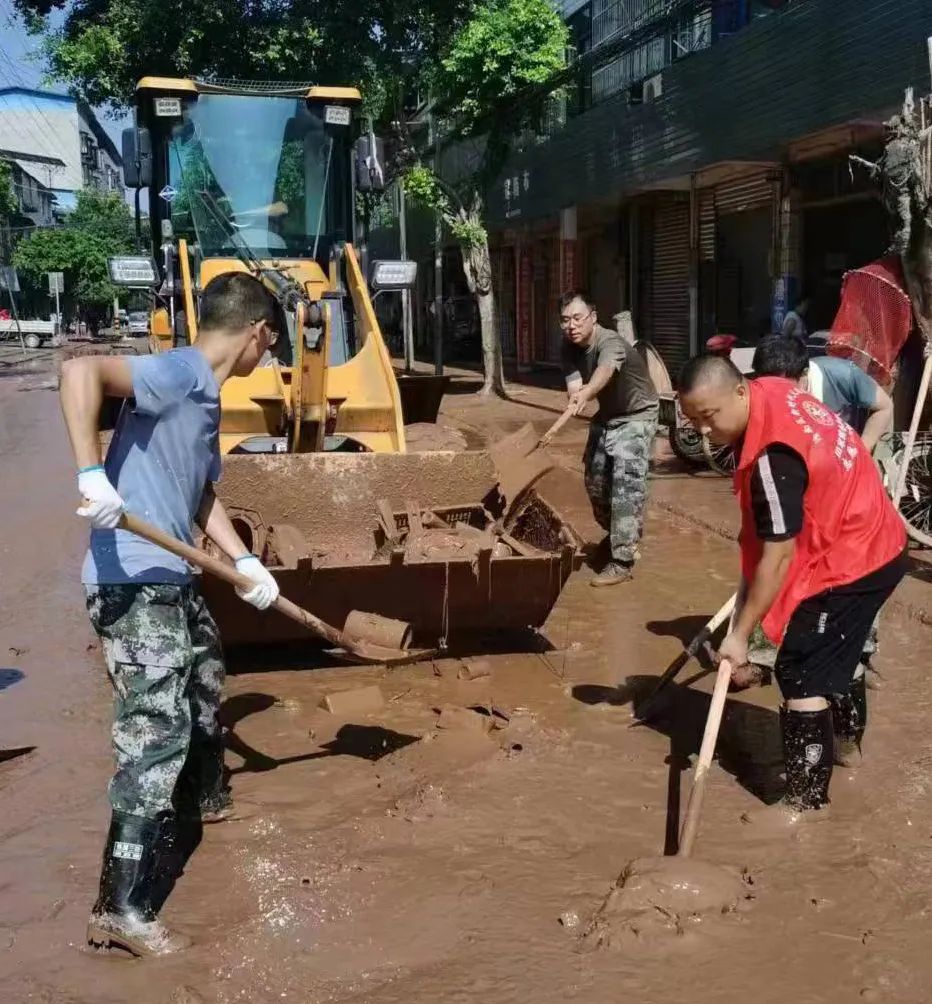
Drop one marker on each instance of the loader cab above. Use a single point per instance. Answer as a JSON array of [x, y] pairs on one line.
[[263, 178], [269, 169]]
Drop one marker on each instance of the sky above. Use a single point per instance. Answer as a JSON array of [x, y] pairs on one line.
[[26, 71]]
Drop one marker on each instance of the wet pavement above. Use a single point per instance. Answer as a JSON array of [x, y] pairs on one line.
[[380, 859]]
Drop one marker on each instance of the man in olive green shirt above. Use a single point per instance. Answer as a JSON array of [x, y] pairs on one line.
[[599, 364]]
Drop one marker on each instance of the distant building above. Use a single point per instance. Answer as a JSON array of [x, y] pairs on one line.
[[35, 202], [693, 169], [57, 140]]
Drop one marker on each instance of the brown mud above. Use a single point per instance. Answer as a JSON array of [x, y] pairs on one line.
[[665, 896], [379, 859]]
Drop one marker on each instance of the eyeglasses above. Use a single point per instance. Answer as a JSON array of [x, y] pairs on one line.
[[565, 321]]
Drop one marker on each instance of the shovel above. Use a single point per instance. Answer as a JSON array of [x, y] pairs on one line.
[[677, 885], [349, 643], [643, 713], [518, 464]]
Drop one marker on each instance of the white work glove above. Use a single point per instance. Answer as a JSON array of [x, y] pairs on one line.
[[104, 507], [265, 591]]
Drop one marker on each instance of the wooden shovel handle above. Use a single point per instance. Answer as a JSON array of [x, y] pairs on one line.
[[706, 752], [690, 652], [557, 426], [207, 563]]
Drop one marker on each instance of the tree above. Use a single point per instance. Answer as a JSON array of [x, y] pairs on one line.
[[481, 61], [99, 228], [105, 46], [487, 84]]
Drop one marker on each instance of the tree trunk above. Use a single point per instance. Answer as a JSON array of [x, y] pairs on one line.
[[477, 267]]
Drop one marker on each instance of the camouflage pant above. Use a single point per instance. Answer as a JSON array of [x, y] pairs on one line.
[[617, 459], [166, 667]]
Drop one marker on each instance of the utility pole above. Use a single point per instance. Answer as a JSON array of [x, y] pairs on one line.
[[438, 261], [406, 321]]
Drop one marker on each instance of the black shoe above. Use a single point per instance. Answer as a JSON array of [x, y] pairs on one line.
[[808, 752], [123, 916]]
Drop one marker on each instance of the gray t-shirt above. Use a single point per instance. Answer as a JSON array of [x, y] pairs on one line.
[[630, 393], [165, 450], [846, 389]]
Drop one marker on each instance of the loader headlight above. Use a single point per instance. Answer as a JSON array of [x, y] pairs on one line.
[[389, 275]]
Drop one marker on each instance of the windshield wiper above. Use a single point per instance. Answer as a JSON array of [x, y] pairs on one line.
[[323, 199]]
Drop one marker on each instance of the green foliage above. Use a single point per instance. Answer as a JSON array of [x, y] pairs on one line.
[[103, 214], [105, 46], [468, 231], [480, 82], [425, 188], [100, 227], [422, 185], [7, 195], [505, 48]]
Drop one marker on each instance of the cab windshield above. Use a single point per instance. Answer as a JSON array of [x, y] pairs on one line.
[[264, 168]]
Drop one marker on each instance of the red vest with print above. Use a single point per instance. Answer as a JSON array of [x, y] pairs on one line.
[[850, 527]]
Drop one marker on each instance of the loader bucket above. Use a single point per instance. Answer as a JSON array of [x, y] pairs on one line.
[[412, 536]]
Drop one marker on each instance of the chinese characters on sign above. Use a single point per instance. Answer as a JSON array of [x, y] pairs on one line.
[[513, 188]]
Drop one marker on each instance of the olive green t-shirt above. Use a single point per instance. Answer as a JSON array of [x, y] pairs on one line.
[[631, 392]]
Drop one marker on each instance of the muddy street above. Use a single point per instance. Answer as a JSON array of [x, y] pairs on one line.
[[382, 859]]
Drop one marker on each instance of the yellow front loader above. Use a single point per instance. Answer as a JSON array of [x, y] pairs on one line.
[[264, 178]]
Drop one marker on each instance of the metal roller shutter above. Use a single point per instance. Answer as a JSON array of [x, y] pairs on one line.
[[751, 191], [707, 225], [671, 284]]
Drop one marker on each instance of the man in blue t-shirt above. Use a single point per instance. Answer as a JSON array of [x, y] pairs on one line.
[[160, 642], [840, 385]]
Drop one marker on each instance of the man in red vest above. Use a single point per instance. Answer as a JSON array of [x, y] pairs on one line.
[[822, 548]]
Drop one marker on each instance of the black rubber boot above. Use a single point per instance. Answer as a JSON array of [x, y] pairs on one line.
[[849, 717], [808, 752], [124, 916]]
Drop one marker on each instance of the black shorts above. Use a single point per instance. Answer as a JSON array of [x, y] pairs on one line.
[[827, 633]]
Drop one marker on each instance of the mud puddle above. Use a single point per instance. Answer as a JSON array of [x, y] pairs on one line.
[[382, 859]]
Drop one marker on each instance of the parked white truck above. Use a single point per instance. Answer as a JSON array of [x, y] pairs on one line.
[[34, 332]]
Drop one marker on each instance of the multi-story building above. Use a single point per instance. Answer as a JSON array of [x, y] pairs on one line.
[[58, 140], [35, 202], [695, 168]]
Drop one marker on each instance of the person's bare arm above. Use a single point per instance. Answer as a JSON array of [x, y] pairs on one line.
[[762, 591], [588, 392], [880, 419], [85, 383], [574, 385], [212, 518]]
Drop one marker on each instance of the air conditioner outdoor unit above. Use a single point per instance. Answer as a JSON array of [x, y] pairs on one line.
[[653, 87]]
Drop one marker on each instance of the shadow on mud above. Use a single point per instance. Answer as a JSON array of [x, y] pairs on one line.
[[684, 629], [310, 655], [10, 676], [366, 742], [749, 745]]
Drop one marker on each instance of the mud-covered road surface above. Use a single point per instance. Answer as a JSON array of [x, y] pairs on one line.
[[382, 860]]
